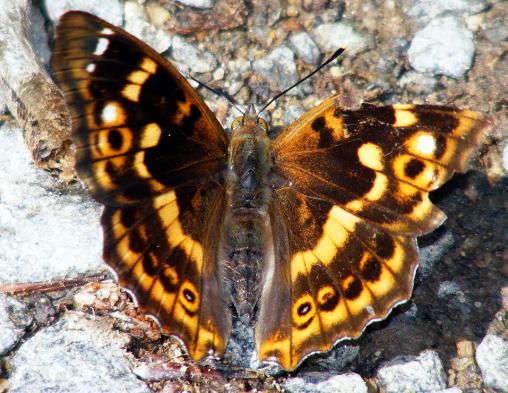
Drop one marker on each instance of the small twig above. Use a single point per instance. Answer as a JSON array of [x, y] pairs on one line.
[[48, 286]]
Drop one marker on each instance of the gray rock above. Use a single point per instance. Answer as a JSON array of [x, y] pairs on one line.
[[110, 10], [332, 36], [44, 235], [492, 358], [343, 383], [136, 23], [423, 373], [424, 11], [77, 354], [305, 47], [14, 317], [278, 67], [191, 57], [444, 46], [197, 3], [39, 35]]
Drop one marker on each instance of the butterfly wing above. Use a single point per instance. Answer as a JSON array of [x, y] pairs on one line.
[[355, 198], [149, 148]]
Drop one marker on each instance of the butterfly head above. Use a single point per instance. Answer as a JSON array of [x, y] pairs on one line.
[[249, 121]]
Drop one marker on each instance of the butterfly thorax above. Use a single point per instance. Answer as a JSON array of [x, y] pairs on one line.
[[248, 195]]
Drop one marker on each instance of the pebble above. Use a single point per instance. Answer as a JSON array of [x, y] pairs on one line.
[[136, 23], [424, 11], [197, 3], [496, 31], [218, 74], [45, 235], [343, 383], [492, 358], [158, 15], [187, 54], [305, 47], [110, 10], [14, 318], [445, 46], [76, 354], [418, 374], [332, 36], [279, 68]]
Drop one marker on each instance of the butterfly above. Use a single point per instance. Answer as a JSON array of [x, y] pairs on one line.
[[310, 236]]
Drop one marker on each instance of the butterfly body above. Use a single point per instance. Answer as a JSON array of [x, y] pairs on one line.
[[246, 223], [311, 236]]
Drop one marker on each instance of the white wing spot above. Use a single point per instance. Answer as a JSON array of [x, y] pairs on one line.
[[102, 46], [109, 113], [90, 68], [426, 144], [107, 31]]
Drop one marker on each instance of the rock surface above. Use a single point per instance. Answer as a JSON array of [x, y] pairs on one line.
[[420, 374], [45, 234], [76, 354]]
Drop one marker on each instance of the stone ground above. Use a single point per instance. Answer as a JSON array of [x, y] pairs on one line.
[[451, 336]]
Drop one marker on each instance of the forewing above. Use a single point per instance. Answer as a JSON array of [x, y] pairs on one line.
[[138, 127], [148, 147], [355, 197]]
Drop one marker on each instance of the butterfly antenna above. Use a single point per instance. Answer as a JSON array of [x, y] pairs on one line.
[[328, 61], [220, 93]]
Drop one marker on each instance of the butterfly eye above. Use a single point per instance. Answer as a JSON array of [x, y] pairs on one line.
[[237, 122], [262, 122]]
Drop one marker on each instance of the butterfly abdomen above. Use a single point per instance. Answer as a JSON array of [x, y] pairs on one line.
[[248, 192]]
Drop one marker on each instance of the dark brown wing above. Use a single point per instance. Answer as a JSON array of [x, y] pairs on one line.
[[356, 198], [148, 147]]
